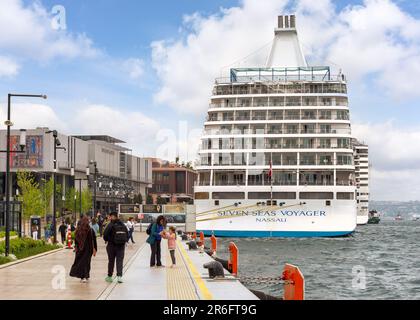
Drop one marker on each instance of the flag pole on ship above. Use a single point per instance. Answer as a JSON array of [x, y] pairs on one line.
[[270, 173]]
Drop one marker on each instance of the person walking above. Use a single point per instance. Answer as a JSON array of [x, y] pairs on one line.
[[94, 225], [171, 237], [85, 247], [130, 227], [62, 229], [100, 220], [115, 236], [154, 240]]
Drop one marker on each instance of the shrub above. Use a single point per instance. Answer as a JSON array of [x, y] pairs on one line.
[[26, 247]]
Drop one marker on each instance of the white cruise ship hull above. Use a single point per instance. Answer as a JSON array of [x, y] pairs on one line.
[[362, 219], [312, 219]]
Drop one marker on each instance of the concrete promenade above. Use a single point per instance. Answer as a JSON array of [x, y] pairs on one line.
[[35, 279]]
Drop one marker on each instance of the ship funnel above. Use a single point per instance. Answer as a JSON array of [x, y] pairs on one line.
[[286, 50]]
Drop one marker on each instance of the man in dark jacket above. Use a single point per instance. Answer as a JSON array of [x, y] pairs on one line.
[[116, 236], [62, 229]]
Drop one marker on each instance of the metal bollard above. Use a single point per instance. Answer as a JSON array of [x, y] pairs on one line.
[[294, 283], [233, 260]]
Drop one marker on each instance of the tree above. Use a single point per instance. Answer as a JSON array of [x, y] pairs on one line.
[[30, 195], [160, 200], [86, 200], [149, 199], [47, 191], [69, 203], [138, 198]]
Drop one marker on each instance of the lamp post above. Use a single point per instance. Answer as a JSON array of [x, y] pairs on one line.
[[80, 189], [8, 124], [57, 145], [95, 172]]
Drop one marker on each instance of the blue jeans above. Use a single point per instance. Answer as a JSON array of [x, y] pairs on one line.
[[130, 235]]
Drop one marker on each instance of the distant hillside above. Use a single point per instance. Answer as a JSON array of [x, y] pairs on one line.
[[393, 208]]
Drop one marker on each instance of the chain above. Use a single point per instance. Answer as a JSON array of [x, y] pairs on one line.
[[263, 280]]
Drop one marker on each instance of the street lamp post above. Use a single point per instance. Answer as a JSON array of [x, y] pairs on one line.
[[95, 172], [80, 189], [8, 124], [57, 145]]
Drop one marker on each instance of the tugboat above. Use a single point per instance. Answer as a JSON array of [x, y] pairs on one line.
[[398, 217], [373, 217]]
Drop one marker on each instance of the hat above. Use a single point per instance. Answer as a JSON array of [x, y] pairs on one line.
[[115, 214]]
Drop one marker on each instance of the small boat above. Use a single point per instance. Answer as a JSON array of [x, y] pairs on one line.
[[373, 217], [398, 217]]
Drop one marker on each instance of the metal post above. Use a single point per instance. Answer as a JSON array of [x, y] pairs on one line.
[[94, 190], [54, 193], [8, 178], [80, 197]]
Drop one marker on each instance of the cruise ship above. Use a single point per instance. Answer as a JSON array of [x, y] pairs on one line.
[[276, 155]]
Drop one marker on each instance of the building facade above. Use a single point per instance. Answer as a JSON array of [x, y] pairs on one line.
[[172, 182], [119, 174], [361, 163]]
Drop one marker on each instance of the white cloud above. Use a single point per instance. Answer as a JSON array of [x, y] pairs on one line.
[[374, 39], [8, 67], [133, 67], [394, 155], [27, 32], [135, 128]]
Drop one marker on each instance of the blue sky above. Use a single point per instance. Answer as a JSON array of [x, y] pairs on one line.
[[87, 69]]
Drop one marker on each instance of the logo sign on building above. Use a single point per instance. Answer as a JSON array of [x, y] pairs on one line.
[[129, 208], [33, 155], [152, 208]]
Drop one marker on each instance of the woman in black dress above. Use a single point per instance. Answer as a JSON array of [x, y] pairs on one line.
[[86, 247]]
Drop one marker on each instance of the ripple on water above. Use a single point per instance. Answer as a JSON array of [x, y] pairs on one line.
[[388, 252]]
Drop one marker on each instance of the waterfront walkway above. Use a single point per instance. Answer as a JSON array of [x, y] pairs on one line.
[[35, 279]]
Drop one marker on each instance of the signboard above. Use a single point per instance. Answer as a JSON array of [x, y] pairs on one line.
[[128, 208], [175, 208], [140, 216], [33, 156], [152, 208], [171, 218]]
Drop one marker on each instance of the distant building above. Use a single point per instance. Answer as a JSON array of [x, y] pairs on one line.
[[172, 182], [120, 175], [361, 163]]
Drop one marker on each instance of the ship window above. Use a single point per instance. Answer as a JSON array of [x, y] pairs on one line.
[[216, 202], [345, 196], [276, 195], [328, 203], [201, 195], [316, 195], [228, 195]]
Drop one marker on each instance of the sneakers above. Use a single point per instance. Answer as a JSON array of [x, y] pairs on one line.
[[83, 280], [120, 280], [108, 279]]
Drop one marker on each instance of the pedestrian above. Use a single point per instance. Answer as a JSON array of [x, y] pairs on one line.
[[100, 220], [35, 232], [62, 229], [171, 237], [85, 248], [154, 240], [94, 225], [130, 227], [115, 236]]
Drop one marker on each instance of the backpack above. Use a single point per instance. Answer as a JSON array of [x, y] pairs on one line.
[[120, 234], [149, 229]]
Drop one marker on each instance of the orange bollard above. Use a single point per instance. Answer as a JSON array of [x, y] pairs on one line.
[[233, 261], [202, 238], [194, 236], [213, 243], [294, 286]]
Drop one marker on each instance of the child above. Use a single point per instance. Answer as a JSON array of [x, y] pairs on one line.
[[171, 237]]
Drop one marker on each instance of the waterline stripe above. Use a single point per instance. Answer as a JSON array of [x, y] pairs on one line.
[[270, 234]]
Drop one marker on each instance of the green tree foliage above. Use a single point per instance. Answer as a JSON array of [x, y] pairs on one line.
[[149, 199], [30, 195], [160, 200], [138, 198], [69, 203], [86, 200], [47, 191]]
